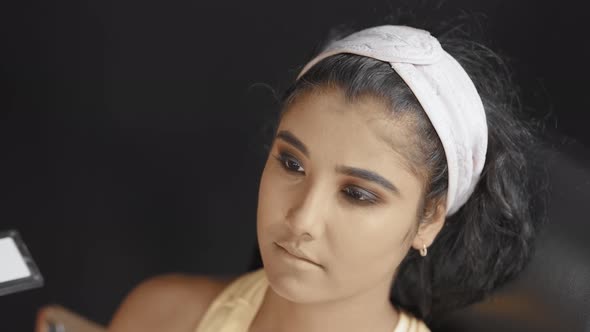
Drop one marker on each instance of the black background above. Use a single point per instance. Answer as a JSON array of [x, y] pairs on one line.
[[132, 132]]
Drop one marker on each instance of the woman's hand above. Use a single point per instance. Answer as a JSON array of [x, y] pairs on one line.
[[55, 318]]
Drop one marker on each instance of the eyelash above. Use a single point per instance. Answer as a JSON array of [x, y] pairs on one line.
[[367, 197], [283, 158]]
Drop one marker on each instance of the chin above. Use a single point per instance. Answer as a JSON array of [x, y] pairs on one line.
[[296, 282], [294, 287]]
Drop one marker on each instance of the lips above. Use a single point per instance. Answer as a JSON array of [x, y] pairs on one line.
[[296, 252]]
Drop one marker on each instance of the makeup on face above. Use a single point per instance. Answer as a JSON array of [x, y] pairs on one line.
[[363, 174], [335, 201]]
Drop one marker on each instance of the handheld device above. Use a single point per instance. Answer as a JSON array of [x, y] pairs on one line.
[[18, 270]]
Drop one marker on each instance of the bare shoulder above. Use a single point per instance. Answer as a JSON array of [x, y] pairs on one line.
[[172, 302]]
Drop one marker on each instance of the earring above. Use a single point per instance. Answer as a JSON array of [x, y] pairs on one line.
[[423, 251]]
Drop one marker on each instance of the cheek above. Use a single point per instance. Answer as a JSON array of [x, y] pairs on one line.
[[372, 244], [264, 195], [372, 235], [271, 200]]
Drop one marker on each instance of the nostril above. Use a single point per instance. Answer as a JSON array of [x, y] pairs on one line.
[[306, 237]]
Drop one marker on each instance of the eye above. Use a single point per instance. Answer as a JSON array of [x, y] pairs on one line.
[[359, 195], [290, 163]]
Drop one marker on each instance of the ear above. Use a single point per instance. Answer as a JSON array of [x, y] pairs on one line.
[[430, 225]]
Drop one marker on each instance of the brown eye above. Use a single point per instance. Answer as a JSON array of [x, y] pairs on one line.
[[359, 195], [290, 163]]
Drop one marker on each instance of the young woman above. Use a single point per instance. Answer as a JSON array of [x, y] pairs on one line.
[[398, 188]]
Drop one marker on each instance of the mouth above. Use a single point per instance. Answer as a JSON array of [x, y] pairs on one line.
[[295, 252]]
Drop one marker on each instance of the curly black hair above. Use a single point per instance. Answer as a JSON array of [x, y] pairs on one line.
[[489, 240]]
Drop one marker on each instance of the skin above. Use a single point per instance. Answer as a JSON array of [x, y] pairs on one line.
[[330, 238]]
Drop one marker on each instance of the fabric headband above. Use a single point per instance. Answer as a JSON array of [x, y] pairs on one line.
[[442, 87]]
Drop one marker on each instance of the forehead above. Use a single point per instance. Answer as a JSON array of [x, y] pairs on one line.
[[365, 126]]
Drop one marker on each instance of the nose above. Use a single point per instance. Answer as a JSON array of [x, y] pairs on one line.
[[306, 218]]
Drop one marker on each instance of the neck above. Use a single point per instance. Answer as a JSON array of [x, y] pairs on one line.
[[366, 311]]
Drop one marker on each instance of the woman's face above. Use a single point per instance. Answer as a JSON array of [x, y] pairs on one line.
[[337, 200]]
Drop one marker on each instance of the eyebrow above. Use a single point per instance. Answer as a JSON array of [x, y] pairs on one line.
[[368, 176], [288, 137], [360, 173]]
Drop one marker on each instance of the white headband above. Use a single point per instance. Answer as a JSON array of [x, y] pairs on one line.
[[442, 87]]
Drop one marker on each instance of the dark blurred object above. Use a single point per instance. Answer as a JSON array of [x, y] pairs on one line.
[[553, 293]]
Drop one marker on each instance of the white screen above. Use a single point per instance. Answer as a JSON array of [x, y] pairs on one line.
[[12, 264]]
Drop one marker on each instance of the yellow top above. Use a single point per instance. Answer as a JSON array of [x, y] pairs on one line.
[[235, 308]]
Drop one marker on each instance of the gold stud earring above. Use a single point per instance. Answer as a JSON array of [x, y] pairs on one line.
[[423, 251]]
